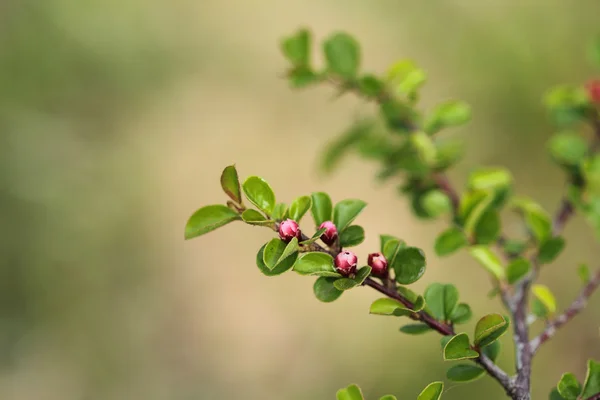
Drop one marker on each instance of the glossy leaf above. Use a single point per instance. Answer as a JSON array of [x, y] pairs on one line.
[[253, 217], [550, 249], [450, 241], [280, 212], [415, 329], [464, 373], [260, 194], [489, 260], [314, 237], [391, 249], [441, 300], [208, 219], [448, 114], [517, 269], [277, 250], [569, 387], [346, 211], [545, 296], [592, 380], [349, 283], [282, 267], [231, 184], [409, 265], [387, 306], [315, 263], [492, 350], [461, 314], [433, 391], [322, 208], [489, 329], [342, 53], [325, 291], [352, 392], [299, 207], [296, 48], [459, 348], [352, 236]]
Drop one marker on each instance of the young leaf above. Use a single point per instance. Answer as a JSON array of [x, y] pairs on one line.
[[253, 217], [489, 260], [464, 373], [569, 387], [280, 212], [260, 194], [208, 219], [346, 211], [490, 178], [277, 250], [545, 296], [325, 291], [282, 267], [568, 149], [461, 314], [302, 76], [299, 207], [352, 236], [592, 380], [450, 113], [487, 228], [459, 348], [296, 48], [550, 249], [391, 249], [489, 329], [406, 77], [315, 263], [450, 241], [352, 392], [537, 219], [387, 306], [433, 391], [409, 265], [342, 54], [517, 269], [415, 329], [584, 273], [231, 184], [436, 203], [322, 208]]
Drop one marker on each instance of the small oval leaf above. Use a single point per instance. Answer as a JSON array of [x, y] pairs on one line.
[[569, 387], [450, 241], [459, 348], [231, 184], [260, 194], [325, 291], [315, 263], [352, 392], [282, 267], [322, 208], [352, 236], [409, 265], [346, 211], [489, 329], [208, 219], [342, 54], [299, 207], [592, 380], [464, 373], [253, 217], [388, 306], [517, 269], [433, 391], [545, 296], [489, 260], [415, 329]]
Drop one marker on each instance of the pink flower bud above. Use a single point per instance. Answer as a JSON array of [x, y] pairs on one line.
[[288, 230], [345, 263], [379, 264], [593, 90], [331, 234]]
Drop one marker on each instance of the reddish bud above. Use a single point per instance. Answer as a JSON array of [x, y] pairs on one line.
[[379, 264], [288, 230], [331, 234], [345, 263], [593, 90]]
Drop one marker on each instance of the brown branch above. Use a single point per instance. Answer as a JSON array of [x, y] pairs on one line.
[[594, 397], [575, 308]]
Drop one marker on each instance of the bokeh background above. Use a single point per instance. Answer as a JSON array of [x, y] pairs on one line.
[[116, 118]]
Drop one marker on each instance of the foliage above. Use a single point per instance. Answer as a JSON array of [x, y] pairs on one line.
[[407, 144]]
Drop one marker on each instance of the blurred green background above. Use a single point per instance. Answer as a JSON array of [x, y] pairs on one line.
[[116, 118]]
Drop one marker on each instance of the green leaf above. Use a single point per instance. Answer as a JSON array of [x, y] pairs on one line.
[[490, 178], [517, 269], [253, 217], [314, 237], [406, 77], [584, 273], [538, 221], [260, 194], [299, 207], [450, 241], [568, 149], [342, 54], [388, 397], [362, 274], [296, 48], [352, 392], [315, 263], [277, 250], [554, 395], [489, 329], [461, 314], [567, 104], [464, 373], [550, 249], [370, 86], [492, 350], [231, 184], [325, 291], [441, 300], [346, 211], [458, 348], [282, 267], [322, 209], [415, 329], [352, 236], [208, 219], [387, 306], [349, 283], [481, 202], [433, 391], [436, 203], [409, 265], [545, 296], [280, 212], [302, 76], [391, 249], [424, 146], [569, 387], [489, 260], [592, 380], [450, 113], [397, 115], [448, 153], [487, 229]]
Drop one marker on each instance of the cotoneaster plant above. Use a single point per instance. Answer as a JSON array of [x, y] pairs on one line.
[[409, 146]]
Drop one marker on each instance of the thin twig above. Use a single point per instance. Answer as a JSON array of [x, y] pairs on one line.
[[594, 397], [575, 308]]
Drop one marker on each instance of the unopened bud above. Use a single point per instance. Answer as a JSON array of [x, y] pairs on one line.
[[345, 263], [331, 234], [593, 91], [288, 230], [378, 264]]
